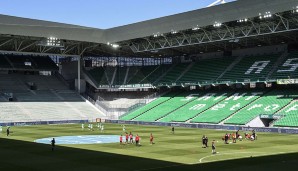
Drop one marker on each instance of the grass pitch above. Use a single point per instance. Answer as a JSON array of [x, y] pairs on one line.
[[182, 150]]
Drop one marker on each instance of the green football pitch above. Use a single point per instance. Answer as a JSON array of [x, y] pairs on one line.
[[180, 151]]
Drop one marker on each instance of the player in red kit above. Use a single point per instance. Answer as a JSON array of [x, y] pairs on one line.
[[151, 139], [126, 138], [120, 139], [137, 140]]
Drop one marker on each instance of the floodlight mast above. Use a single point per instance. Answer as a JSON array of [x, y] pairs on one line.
[[217, 2]]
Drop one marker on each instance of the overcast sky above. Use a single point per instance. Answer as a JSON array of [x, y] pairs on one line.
[[99, 13]]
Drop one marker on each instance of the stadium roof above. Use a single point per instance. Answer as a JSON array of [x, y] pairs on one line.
[[233, 11]]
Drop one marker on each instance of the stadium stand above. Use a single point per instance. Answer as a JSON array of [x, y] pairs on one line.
[[120, 76], [153, 73], [205, 71], [248, 69], [134, 75], [153, 104], [173, 74], [268, 104], [98, 75], [227, 107], [44, 63], [127, 75], [200, 103], [52, 100], [167, 107], [27, 62], [288, 69], [290, 116]]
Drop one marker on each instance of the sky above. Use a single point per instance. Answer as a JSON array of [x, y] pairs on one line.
[[101, 14]]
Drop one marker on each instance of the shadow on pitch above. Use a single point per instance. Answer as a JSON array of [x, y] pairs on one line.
[[22, 155]]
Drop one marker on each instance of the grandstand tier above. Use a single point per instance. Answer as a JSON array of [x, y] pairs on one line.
[[227, 107], [166, 107], [27, 62], [289, 116], [251, 69], [51, 101], [267, 104], [288, 67]]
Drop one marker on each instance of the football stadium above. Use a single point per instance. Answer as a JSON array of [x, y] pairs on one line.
[[210, 89]]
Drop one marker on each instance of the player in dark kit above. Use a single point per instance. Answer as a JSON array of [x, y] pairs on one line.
[[203, 142], [213, 147], [7, 131], [53, 144], [173, 130]]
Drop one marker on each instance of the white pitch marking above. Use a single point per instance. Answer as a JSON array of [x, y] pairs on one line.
[[259, 154]]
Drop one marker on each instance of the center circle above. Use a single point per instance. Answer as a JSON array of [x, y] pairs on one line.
[[81, 139]]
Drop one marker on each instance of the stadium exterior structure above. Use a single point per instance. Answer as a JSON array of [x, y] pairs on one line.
[[214, 28], [236, 25], [78, 39]]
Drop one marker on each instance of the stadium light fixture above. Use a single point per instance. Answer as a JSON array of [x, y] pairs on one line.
[[114, 45], [295, 10], [173, 31], [265, 16], [242, 20], [157, 34], [196, 28], [51, 42], [217, 24]]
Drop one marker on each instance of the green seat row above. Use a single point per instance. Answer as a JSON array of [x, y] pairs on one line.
[[202, 102], [227, 107], [268, 104]]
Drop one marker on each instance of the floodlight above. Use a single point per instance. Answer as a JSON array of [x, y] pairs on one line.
[[115, 45], [173, 31], [217, 24], [266, 15], [51, 41], [242, 20], [195, 28]]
